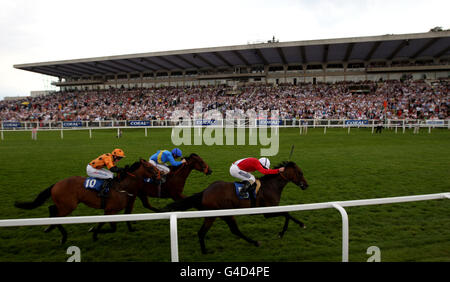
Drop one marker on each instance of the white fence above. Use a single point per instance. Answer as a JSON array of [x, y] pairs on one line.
[[174, 216], [302, 124]]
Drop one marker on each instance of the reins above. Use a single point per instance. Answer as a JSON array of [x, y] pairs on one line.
[[282, 176]]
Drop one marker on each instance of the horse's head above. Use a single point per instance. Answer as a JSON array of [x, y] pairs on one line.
[[294, 174], [198, 163]]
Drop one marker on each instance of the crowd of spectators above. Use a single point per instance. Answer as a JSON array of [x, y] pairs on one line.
[[343, 100]]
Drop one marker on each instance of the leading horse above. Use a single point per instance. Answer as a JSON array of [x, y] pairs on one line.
[[69, 192], [223, 195]]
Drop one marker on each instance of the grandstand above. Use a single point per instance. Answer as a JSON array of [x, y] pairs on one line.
[[379, 77], [374, 58]]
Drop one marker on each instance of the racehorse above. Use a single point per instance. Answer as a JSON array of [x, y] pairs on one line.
[[223, 195], [68, 193], [175, 181]]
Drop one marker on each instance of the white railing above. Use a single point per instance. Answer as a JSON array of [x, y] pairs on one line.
[[301, 124], [174, 216]]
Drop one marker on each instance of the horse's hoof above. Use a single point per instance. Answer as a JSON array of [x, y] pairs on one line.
[[63, 240], [280, 235], [257, 244]]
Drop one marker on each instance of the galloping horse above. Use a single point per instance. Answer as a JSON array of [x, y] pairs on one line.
[[222, 195], [175, 181], [68, 193]]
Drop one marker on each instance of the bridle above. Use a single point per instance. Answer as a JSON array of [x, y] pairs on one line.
[[284, 177], [205, 169]]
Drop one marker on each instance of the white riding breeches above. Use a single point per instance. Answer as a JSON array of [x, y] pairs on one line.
[[235, 171], [99, 173], [162, 168]]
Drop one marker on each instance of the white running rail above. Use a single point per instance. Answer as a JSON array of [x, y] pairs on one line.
[[174, 216]]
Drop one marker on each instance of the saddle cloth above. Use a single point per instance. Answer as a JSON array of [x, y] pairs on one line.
[[95, 184], [238, 186]]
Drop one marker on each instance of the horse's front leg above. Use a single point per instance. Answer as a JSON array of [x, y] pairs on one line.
[[97, 229], [231, 221], [287, 217], [144, 199], [128, 210]]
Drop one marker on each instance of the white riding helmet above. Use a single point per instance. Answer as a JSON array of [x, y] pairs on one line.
[[265, 162]]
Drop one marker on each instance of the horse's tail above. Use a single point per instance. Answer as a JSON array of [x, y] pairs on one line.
[[39, 201], [194, 201]]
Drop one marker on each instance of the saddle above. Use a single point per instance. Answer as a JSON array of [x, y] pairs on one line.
[[252, 195]]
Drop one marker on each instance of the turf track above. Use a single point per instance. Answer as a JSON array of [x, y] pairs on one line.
[[338, 166]]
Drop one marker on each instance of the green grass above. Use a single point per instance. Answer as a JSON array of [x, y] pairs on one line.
[[338, 166]]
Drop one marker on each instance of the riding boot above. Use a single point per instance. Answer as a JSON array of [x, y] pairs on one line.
[[245, 189], [105, 188]]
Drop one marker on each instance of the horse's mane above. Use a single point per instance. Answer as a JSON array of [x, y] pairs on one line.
[[133, 167], [175, 168], [192, 155], [130, 169], [285, 164]]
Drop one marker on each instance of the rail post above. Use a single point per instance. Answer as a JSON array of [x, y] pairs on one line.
[[174, 237], [344, 231]]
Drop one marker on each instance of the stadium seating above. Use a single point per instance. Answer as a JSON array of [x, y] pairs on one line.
[[342, 100]]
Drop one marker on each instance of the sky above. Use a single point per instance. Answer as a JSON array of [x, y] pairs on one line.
[[49, 30]]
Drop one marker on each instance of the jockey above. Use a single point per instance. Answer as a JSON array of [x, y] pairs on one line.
[[96, 168], [241, 169], [162, 157]]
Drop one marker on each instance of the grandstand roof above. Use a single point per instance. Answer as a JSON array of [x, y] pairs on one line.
[[356, 49]]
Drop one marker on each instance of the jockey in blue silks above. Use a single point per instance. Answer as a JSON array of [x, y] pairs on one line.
[[162, 158]]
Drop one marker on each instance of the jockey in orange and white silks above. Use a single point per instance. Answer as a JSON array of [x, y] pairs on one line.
[[96, 168]]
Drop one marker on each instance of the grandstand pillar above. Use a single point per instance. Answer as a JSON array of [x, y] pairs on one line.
[[285, 68], [304, 73], [266, 71]]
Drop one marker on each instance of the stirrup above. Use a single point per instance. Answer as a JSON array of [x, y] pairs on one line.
[[244, 193]]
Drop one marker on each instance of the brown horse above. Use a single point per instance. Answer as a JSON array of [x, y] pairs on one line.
[[222, 195], [175, 181], [68, 193]]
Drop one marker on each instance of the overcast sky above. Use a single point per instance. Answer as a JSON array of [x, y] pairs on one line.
[[48, 30]]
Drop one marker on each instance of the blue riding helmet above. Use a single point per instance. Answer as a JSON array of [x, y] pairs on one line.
[[177, 152]]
